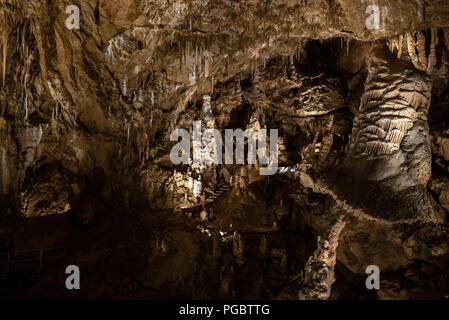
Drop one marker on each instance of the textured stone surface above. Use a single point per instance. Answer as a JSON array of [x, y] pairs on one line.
[[86, 116], [390, 139]]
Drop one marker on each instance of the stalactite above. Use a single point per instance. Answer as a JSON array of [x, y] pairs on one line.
[[292, 71], [26, 105], [416, 45], [421, 48], [4, 54], [193, 75], [124, 87], [432, 61], [446, 38], [152, 97], [420, 9], [206, 67], [396, 44], [184, 53]]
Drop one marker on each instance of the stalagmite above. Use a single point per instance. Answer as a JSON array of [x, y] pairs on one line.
[[319, 270], [390, 125]]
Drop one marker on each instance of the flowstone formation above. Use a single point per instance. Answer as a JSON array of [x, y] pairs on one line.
[[390, 140], [390, 146], [359, 99]]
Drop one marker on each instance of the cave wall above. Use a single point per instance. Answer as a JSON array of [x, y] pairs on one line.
[[86, 115]]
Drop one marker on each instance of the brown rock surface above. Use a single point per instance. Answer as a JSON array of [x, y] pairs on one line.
[[85, 123]]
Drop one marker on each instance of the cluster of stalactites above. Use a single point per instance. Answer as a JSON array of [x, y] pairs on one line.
[[415, 46]]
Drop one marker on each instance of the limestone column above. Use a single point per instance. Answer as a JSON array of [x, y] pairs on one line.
[[390, 143]]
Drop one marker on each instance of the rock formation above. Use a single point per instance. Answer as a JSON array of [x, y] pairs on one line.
[[360, 102]]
